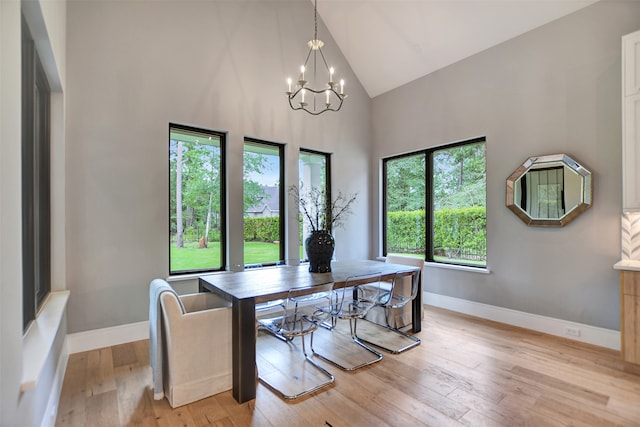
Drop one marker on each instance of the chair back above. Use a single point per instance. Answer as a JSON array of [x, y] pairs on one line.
[[400, 295], [358, 296], [299, 316]]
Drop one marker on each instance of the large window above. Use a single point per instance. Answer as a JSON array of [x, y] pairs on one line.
[[36, 193], [314, 175], [263, 175], [435, 204], [197, 220]]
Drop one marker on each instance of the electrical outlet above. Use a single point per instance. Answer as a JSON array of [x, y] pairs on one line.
[[572, 331]]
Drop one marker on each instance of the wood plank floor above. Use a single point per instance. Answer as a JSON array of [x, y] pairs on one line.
[[467, 371]]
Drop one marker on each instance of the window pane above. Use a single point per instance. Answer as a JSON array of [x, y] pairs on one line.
[[459, 204], [196, 220], [263, 229], [314, 175], [405, 205]]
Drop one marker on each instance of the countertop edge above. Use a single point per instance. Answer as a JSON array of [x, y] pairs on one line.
[[627, 264]]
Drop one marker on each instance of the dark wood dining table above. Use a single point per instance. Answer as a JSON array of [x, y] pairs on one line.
[[247, 288]]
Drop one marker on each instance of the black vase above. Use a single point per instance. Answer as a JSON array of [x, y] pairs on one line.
[[319, 246]]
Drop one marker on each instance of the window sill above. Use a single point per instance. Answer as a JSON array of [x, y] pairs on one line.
[[38, 341], [192, 276], [183, 277], [452, 267], [458, 267]]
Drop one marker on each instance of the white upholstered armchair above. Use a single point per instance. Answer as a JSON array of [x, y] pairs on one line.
[[193, 345]]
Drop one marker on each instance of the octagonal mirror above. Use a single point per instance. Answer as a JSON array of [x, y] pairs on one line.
[[549, 191]]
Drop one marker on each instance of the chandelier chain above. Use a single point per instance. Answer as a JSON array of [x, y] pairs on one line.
[[315, 20]]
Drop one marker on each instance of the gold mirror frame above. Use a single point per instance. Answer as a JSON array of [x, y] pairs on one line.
[[540, 162]]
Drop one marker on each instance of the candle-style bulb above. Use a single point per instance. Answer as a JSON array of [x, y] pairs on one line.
[[289, 84], [341, 87], [302, 72], [331, 75]]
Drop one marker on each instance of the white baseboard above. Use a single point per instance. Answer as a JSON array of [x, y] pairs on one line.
[[106, 337], [585, 333]]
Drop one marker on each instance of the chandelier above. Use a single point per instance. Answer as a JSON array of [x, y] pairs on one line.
[[315, 97]]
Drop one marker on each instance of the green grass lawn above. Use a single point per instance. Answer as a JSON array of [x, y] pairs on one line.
[[192, 258]]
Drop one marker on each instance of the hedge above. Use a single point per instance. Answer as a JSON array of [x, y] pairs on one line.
[[460, 228], [405, 231], [262, 229]]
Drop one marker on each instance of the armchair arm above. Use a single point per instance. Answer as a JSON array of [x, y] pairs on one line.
[[202, 301]]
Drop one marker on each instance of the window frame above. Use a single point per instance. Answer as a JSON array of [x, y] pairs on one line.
[[281, 201], [429, 200], [36, 180], [327, 178], [222, 136]]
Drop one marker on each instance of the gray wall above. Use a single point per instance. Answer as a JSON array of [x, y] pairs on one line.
[[555, 89], [132, 68]]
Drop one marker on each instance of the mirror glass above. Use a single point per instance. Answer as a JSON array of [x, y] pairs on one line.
[[549, 191]]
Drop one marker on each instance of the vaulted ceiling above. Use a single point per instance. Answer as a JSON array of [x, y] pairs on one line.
[[391, 42]]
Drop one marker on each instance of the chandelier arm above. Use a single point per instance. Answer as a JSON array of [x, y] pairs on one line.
[[314, 113], [307, 59], [317, 92], [339, 97], [317, 113], [324, 60], [315, 66]]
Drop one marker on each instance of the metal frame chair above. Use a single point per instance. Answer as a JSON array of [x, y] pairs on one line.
[[351, 303], [392, 297], [295, 319], [271, 307]]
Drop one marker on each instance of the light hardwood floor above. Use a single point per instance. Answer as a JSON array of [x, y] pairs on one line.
[[467, 371]]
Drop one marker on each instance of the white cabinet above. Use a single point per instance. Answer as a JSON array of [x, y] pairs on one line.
[[631, 153], [631, 63], [631, 122]]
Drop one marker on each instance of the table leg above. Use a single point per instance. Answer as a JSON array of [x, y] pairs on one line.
[[243, 330], [416, 309]]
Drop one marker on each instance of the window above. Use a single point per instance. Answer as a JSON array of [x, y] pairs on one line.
[[263, 175], [36, 193], [435, 204], [197, 188], [314, 174]]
